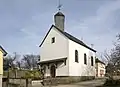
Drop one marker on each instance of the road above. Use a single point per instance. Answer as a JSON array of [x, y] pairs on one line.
[[92, 83]]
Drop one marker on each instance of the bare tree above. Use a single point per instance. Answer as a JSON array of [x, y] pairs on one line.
[[10, 60], [18, 64], [10, 63], [113, 58], [30, 61]]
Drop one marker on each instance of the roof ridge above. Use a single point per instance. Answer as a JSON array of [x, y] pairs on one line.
[[74, 37], [71, 37]]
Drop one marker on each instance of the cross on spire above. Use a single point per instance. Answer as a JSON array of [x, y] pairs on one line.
[[59, 5]]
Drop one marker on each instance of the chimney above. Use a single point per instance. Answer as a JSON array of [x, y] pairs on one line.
[[59, 20]]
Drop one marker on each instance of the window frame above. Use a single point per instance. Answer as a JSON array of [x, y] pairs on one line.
[[53, 40], [92, 61], [85, 59], [76, 56]]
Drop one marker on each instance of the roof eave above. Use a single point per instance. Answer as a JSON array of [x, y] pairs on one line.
[[99, 61], [46, 36], [4, 52]]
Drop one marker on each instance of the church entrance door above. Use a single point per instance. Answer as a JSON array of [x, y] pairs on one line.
[[53, 71]]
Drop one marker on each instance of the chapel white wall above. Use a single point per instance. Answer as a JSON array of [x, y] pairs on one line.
[[80, 69], [57, 50]]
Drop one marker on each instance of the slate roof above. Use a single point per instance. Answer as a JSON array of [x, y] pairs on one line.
[[59, 14], [5, 53], [99, 61], [69, 37]]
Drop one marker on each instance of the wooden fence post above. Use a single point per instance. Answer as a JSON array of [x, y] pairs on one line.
[[26, 82]]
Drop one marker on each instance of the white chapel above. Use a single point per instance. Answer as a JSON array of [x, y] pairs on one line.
[[63, 55]]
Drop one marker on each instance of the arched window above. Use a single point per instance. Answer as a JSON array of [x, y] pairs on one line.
[[92, 61], [85, 58], [76, 56]]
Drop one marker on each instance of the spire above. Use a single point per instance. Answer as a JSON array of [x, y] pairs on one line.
[[59, 5], [59, 18]]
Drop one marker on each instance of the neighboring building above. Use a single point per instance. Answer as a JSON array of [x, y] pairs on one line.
[[64, 55], [2, 54], [100, 68]]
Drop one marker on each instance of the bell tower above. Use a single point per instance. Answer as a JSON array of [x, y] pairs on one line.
[[59, 18]]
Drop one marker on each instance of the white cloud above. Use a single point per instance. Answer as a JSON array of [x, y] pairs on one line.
[[29, 33], [33, 22], [37, 25], [104, 18], [99, 29]]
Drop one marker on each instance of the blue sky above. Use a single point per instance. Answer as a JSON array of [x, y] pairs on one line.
[[24, 23]]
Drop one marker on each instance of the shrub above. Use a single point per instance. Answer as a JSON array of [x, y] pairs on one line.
[[112, 82], [35, 74]]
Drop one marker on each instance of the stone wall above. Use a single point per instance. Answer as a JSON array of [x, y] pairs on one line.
[[47, 81], [37, 83], [18, 82], [22, 82], [15, 73], [116, 77], [13, 85]]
